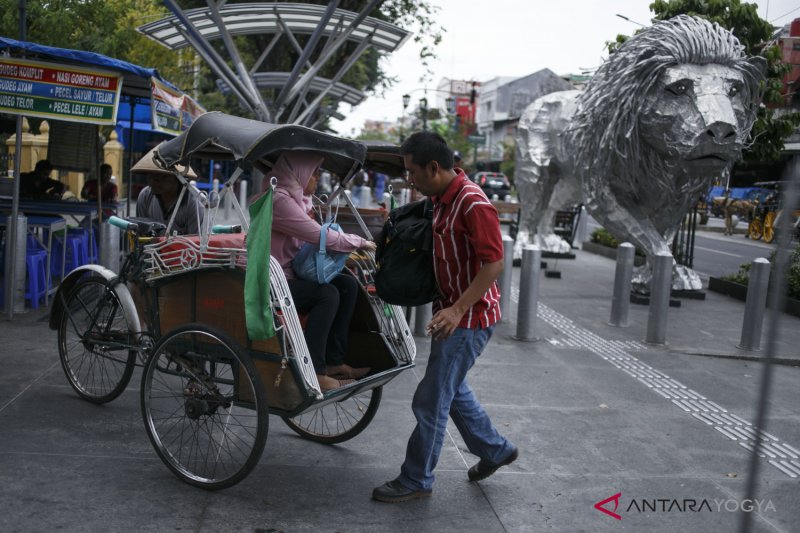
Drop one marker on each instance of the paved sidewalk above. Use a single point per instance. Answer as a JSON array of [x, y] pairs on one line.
[[594, 410]]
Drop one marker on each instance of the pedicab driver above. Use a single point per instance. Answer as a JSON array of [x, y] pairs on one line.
[[468, 257], [159, 199]]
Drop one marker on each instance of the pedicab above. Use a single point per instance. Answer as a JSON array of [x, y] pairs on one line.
[[768, 212], [177, 308]]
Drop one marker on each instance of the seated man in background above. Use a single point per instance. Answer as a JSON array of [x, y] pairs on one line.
[[108, 189], [38, 185], [159, 200]]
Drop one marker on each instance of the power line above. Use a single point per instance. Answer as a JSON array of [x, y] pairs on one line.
[[789, 13]]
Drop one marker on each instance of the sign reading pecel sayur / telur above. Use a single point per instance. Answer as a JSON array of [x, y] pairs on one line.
[[63, 92]]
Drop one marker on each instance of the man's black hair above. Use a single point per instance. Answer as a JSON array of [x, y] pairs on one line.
[[43, 165], [427, 146]]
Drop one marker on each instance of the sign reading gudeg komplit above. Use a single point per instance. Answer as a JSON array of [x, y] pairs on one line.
[[50, 90]]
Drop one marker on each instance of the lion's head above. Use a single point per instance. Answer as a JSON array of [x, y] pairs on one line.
[[667, 112]]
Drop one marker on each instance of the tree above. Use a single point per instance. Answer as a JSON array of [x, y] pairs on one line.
[[755, 33], [109, 27]]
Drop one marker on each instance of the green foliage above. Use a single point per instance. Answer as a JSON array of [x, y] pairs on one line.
[[604, 237], [741, 18], [792, 273], [109, 27], [456, 137], [374, 135], [509, 159], [741, 277], [770, 129]]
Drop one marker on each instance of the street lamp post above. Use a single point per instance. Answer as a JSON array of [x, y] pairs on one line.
[[406, 101], [450, 104]]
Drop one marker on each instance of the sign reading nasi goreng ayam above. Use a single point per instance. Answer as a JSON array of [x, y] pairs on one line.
[[50, 90]]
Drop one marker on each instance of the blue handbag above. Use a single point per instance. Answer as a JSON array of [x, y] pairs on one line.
[[319, 265]]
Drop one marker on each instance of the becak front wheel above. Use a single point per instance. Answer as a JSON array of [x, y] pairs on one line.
[[338, 421]]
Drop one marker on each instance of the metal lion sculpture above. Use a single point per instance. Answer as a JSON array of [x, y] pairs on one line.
[[667, 113]]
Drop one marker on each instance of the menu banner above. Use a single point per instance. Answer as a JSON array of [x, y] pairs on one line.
[[50, 90], [172, 111]]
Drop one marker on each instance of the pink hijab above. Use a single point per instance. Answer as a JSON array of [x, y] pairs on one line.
[[293, 170]]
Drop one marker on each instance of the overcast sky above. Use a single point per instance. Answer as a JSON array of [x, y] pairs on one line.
[[491, 38]]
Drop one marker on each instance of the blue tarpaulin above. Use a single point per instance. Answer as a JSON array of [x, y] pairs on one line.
[[143, 133], [136, 80], [135, 87]]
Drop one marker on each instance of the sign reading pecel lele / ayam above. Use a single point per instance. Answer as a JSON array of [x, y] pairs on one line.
[[50, 90]]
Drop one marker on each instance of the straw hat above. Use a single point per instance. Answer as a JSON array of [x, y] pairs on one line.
[[148, 166]]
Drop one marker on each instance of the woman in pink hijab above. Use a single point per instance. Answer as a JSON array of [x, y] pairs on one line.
[[329, 305]]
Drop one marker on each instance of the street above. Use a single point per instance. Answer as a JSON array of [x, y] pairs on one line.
[[716, 254]]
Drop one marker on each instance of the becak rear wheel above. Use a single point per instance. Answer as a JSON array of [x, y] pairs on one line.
[[204, 407]]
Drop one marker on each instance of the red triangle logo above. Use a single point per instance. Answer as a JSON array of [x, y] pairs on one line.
[[615, 498]]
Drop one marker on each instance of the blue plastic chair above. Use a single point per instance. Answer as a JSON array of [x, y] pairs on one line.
[[90, 241], [77, 253], [36, 264]]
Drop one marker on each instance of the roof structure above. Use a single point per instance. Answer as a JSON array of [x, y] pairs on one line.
[[302, 97], [271, 18], [276, 80]]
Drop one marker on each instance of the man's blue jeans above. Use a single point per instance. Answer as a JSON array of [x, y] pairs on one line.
[[444, 392]]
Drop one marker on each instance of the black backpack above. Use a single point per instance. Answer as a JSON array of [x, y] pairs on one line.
[[405, 256]]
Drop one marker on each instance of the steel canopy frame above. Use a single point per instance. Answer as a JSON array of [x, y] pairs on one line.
[[197, 27], [276, 80]]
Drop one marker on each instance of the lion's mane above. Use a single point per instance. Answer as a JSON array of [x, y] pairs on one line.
[[604, 129]]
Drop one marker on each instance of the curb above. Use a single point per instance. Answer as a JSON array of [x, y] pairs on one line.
[[716, 229]]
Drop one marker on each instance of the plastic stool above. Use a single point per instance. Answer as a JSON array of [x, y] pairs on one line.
[[77, 254], [32, 243], [90, 242], [36, 262]]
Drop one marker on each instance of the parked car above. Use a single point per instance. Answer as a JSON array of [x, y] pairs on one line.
[[494, 184]]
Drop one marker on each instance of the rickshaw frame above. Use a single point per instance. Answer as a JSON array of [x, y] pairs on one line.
[[250, 145]]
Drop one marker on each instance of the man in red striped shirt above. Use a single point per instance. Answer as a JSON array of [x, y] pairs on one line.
[[468, 257]]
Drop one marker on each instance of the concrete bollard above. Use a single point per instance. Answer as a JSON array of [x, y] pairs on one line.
[[528, 293], [422, 316], [109, 248], [243, 194], [504, 281], [583, 227], [621, 301], [755, 305], [405, 196], [365, 199], [19, 269], [660, 289]]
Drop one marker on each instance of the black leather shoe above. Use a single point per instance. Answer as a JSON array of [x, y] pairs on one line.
[[484, 469], [396, 492]]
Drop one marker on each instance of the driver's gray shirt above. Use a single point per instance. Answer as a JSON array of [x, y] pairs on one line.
[[186, 222]]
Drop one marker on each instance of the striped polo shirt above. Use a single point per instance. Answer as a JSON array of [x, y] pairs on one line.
[[466, 235]]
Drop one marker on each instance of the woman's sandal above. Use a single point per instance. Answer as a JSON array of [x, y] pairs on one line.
[[346, 371], [327, 383]]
